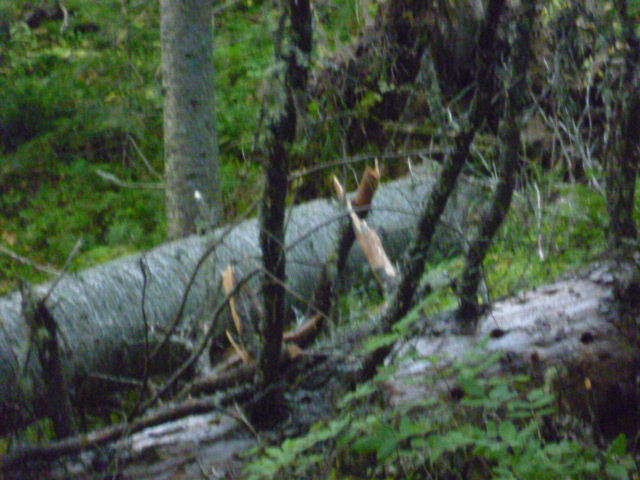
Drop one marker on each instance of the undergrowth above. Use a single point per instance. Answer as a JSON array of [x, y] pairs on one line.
[[468, 425], [74, 103]]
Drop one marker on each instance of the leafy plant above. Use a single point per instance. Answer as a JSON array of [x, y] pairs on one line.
[[494, 427]]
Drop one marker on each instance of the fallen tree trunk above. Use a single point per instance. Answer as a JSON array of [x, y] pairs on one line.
[[576, 326], [578, 337], [105, 325]]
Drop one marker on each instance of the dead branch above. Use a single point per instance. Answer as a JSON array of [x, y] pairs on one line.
[[55, 450], [19, 258], [200, 348], [111, 178]]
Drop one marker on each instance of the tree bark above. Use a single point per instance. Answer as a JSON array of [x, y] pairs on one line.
[[622, 173], [576, 327], [190, 136], [281, 136], [565, 336], [492, 220], [414, 265], [622, 168], [99, 311], [516, 76]]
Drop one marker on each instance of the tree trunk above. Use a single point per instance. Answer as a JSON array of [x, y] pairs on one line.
[[577, 337], [281, 135], [190, 137], [622, 168], [515, 79], [492, 220], [414, 268], [99, 312], [565, 336], [403, 297]]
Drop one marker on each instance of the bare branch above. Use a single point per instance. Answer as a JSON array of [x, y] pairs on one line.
[[109, 177], [19, 258]]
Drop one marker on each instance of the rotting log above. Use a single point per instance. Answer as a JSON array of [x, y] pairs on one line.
[[576, 337], [575, 325], [99, 311]]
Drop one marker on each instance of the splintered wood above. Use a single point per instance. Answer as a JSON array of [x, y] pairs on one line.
[[383, 270], [229, 284]]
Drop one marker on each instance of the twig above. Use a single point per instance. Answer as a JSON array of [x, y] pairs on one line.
[[19, 258], [65, 18], [539, 222], [144, 158], [70, 258], [243, 418], [218, 9], [109, 177], [365, 157], [190, 283], [211, 384], [145, 368], [232, 371], [203, 343]]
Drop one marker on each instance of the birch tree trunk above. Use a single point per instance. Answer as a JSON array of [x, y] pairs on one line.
[[190, 136], [105, 313]]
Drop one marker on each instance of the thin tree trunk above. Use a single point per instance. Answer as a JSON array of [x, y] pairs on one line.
[[510, 163], [622, 172], [402, 299], [190, 137], [282, 134], [491, 222], [623, 162]]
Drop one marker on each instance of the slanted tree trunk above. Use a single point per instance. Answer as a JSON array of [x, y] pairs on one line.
[[190, 137], [516, 73], [622, 172], [624, 156], [472, 274], [403, 297], [413, 270]]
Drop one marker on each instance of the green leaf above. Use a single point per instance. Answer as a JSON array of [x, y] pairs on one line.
[[363, 390], [380, 341], [502, 392], [387, 447], [618, 471], [618, 446], [508, 432], [369, 443]]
